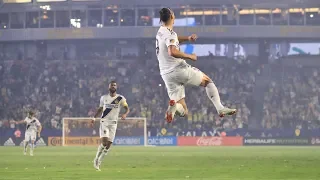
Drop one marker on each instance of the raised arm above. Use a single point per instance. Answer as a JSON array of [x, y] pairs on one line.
[[20, 122], [191, 38], [183, 39], [174, 51]]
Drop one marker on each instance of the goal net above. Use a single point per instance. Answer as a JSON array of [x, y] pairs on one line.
[[79, 132]]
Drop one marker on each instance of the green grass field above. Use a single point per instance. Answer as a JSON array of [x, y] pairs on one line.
[[159, 163]]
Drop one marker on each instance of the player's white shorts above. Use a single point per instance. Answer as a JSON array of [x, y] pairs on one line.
[[108, 129], [30, 135], [176, 80]]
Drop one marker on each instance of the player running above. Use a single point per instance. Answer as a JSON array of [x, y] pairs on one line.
[[110, 109], [33, 128], [176, 73]]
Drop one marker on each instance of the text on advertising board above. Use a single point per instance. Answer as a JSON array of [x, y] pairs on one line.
[[93, 141], [275, 141], [315, 141], [162, 141], [210, 141]]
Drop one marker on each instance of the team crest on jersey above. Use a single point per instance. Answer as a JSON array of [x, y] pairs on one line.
[[172, 40]]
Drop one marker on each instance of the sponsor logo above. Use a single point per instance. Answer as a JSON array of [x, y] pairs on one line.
[[111, 106], [162, 141], [74, 141], [41, 142], [275, 141], [9, 142], [128, 141], [54, 141], [260, 141], [315, 141], [79, 141], [92, 141], [211, 141]]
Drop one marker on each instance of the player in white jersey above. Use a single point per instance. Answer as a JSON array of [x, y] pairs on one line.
[[176, 73], [32, 130], [109, 110]]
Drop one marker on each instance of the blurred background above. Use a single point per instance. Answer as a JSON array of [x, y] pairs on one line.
[[57, 57]]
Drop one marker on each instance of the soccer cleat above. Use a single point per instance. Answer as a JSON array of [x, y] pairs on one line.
[[24, 152], [171, 111], [227, 111], [31, 153], [96, 164]]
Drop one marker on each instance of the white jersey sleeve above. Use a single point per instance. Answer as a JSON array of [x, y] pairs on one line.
[[171, 40], [165, 38], [101, 101]]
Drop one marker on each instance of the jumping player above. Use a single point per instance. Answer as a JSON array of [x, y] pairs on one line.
[[176, 73], [110, 109], [33, 128]]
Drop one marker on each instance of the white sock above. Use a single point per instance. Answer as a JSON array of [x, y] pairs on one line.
[[99, 151], [103, 153], [25, 145], [214, 96], [180, 109]]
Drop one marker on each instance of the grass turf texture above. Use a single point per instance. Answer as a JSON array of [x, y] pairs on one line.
[[159, 163]]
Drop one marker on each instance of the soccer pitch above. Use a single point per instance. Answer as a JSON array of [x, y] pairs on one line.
[[160, 163]]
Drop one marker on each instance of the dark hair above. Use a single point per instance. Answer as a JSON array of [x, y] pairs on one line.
[[165, 14], [30, 113], [112, 82]]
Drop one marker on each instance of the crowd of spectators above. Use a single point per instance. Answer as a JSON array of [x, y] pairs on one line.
[[293, 100], [72, 88], [57, 89]]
